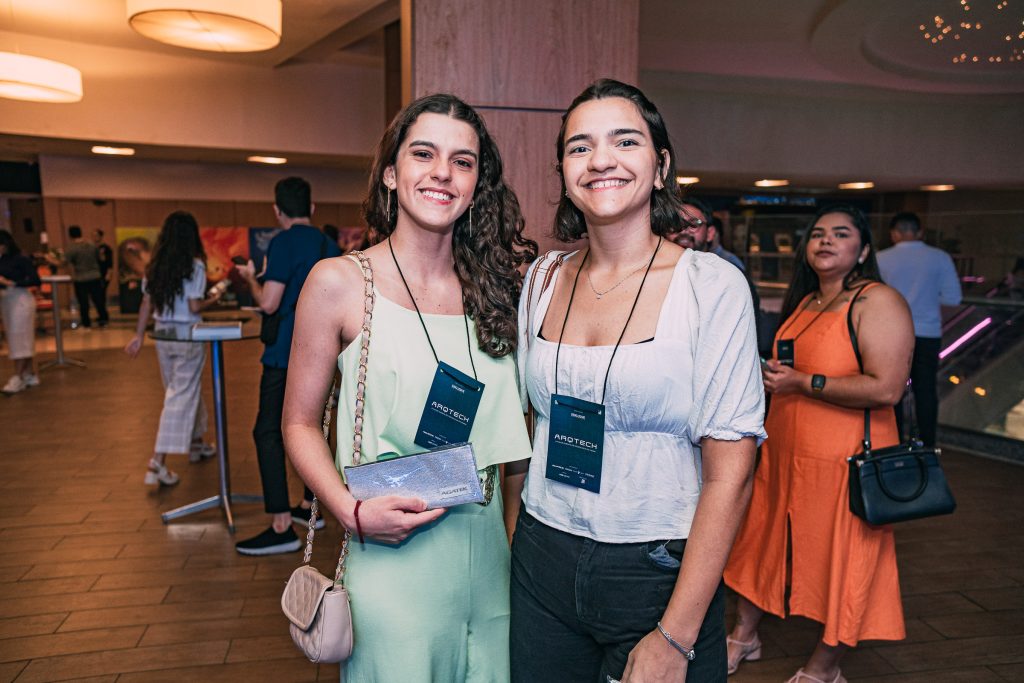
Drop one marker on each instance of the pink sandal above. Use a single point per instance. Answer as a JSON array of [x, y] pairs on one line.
[[801, 677], [750, 651]]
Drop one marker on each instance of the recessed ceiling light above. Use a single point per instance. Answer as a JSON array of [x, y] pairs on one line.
[[768, 182], [687, 179], [862, 185], [117, 151], [938, 188], [214, 25], [267, 160]]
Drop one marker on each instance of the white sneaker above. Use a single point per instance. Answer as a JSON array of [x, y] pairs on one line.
[[198, 451], [159, 474], [14, 385], [31, 379]]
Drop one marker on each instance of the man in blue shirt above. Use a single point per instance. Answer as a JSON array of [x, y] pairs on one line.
[[291, 255], [927, 279]]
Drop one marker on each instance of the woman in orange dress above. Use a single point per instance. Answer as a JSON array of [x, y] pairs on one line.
[[843, 571]]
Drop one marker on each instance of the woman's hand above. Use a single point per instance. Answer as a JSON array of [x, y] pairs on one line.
[[132, 348], [782, 379], [6, 282], [654, 660], [391, 518]]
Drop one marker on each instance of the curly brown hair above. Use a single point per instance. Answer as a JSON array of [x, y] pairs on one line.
[[488, 257]]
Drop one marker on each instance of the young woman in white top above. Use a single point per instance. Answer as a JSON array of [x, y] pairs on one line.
[[640, 362], [175, 287]]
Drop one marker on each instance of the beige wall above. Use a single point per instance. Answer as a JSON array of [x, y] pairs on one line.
[[772, 128], [151, 98]]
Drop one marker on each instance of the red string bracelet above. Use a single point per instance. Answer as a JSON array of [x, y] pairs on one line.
[[359, 527]]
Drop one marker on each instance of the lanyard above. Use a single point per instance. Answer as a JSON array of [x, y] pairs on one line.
[[810, 324], [572, 294], [469, 346]]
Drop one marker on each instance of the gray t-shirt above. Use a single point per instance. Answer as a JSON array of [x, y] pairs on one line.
[[84, 261]]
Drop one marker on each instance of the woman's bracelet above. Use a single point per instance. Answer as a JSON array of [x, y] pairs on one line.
[[359, 527], [684, 651]]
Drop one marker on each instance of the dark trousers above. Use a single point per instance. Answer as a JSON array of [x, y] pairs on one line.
[[270, 441], [580, 606], [923, 380], [95, 290]]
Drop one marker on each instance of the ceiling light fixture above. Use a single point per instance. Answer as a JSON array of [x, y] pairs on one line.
[[115, 151], [687, 179], [23, 77], [768, 182], [213, 25], [862, 185], [938, 188], [256, 159]]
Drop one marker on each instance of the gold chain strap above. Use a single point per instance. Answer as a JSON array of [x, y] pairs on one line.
[[357, 432]]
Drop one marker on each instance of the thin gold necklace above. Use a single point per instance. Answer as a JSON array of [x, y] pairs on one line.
[[601, 294]]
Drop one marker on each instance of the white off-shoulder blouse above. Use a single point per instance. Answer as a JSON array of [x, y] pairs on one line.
[[699, 378]]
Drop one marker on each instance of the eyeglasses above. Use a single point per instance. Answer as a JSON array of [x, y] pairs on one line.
[[695, 224]]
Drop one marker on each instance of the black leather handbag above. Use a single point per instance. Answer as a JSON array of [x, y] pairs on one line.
[[898, 483]]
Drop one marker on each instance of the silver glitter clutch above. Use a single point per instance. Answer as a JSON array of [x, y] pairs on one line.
[[443, 477]]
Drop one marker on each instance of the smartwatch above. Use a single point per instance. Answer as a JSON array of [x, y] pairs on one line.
[[817, 383]]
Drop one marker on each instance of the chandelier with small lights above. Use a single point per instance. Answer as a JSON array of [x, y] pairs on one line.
[[990, 33]]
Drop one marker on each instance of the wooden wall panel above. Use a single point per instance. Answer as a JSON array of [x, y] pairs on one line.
[[527, 54], [526, 140], [212, 214], [142, 213]]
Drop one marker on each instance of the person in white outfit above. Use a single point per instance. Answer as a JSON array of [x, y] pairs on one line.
[[174, 290], [18, 278]]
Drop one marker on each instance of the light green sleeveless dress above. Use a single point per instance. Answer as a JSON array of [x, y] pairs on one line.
[[435, 607]]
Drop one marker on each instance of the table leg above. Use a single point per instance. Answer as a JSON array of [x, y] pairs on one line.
[[224, 497], [58, 337]]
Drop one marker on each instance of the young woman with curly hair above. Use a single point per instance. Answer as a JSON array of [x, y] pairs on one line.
[[429, 587], [174, 293]]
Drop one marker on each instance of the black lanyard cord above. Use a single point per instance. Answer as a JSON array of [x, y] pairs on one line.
[[568, 307], [469, 344], [810, 324]]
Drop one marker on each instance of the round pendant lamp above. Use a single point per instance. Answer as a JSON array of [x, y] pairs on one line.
[[213, 25], [23, 77]]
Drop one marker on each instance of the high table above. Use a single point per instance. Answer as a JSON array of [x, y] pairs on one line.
[[61, 361], [182, 332]]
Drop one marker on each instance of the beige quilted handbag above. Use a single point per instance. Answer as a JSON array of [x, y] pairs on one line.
[[317, 607]]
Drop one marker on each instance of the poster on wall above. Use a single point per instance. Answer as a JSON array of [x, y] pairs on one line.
[[222, 245], [134, 248]]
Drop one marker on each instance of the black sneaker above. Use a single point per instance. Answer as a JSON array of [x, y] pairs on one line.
[[300, 515], [270, 543]]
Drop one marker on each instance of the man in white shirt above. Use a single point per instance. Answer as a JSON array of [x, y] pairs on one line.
[[927, 279]]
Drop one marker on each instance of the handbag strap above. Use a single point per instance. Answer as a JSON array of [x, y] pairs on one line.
[[860, 364], [357, 431]]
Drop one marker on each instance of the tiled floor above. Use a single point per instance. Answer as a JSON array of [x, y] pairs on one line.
[[94, 587]]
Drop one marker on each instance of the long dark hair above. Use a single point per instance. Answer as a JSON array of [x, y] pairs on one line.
[[488, 257], [569, 222], [177, 247], [805, 280], [7, 240]]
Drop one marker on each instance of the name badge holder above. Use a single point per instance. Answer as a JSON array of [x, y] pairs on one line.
[[454, 397], [785, 347], [576, 427]]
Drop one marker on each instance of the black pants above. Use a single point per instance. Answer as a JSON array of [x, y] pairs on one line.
[[97, 291], [923, 379], [270, 441], [580, 606]]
